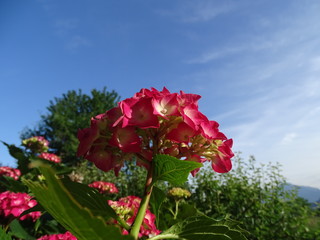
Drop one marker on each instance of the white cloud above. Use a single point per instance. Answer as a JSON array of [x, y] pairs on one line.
[[288, 138], [78, 41], [214, 55], [199, 11], [65, 26], [277, 84]]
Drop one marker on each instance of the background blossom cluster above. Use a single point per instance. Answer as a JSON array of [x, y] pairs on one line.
[[104, 187], [36, 144], [179, 193], [13, 204], [155, 122], [50, 157], [127, 208], [10, 172], [61, 236]]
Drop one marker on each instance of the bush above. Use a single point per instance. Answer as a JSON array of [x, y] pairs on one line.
[[255, 196]]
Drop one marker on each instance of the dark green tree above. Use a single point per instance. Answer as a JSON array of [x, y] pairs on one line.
[[255, 196], [66, 115]]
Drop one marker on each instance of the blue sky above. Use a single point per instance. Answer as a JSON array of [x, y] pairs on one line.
[[256, 65]]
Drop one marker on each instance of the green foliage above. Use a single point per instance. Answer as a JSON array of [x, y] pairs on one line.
[[66, 115], [17, 230], [21, 157], [130, 181], [254, 196], [80, 209], [156, 200], [173, 170], [201, 227], [4, 235]]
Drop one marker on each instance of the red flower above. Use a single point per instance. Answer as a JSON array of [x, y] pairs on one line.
[[36, 144], [60, 236], [10, 172], [126, 139], [127, 208], [50, 157], [104, 187], [154, 122], [139, 113], [222, 162], [13, 204]]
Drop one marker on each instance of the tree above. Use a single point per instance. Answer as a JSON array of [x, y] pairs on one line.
[[254, 196], [66, 115]]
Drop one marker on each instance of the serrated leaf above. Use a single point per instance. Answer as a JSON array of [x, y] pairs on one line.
[[4, 235], [36, 208], [18, 231], [156, 200], [18, 154], [201, 228], [173, 170], [187, 210], [80, 220], [90, 198], [12, 185]]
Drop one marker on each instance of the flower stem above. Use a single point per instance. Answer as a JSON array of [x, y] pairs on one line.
[[143, 205], [176, 210]]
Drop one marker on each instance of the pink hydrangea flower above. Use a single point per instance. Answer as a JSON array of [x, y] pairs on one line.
[[36, 144], [61, 236], [13, 204], [50, 157], [10, 172], [104, 187], [155, 122], [127, 208]]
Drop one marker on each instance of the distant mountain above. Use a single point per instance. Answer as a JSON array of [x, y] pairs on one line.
[[309, 193]]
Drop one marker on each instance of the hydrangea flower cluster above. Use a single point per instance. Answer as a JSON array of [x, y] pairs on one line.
[[104, 187], [36, 144], [127, 208], [13, 204], [178, 193], [10, 172], [61, 236], [50, 157], [155, 122]]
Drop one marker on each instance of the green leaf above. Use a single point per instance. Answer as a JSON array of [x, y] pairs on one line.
[[68, 210], [90, 198], [12, 185], [187, 210], [173, 170], [18, 231], [18, 154], [36, 208], [156, 200], [201, 228], [4, 235]]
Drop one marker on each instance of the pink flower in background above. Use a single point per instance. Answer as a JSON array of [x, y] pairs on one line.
[[155, 122], [10, 172], [127, 208], [50, 157], [13, 204], [36, 144], [61, 236], [104, 187]]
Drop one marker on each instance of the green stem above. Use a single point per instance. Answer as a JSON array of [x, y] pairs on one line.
[[165, 236], [176, 210], [143, 205]]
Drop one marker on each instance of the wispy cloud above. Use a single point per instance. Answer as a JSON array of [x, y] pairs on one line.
[[198, 11], [276, 81], [65, 26], [78, 41], [214, 55]]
